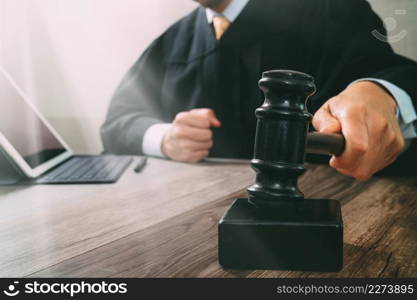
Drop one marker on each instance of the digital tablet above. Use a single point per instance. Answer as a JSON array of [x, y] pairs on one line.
[[25, 135]]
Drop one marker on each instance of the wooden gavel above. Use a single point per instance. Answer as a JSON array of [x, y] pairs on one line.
[[276, 227], [282, 137]]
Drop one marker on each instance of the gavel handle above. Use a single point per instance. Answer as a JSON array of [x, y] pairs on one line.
[[325, 143]]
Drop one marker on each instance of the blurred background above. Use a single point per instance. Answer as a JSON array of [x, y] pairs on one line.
[[69, 55]]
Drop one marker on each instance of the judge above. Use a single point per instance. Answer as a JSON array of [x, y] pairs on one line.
[[193, 92]]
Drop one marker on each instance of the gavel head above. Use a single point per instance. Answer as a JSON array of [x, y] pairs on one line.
[[280, 140]]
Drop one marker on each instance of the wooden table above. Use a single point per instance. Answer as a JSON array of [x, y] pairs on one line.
[[163, 223]]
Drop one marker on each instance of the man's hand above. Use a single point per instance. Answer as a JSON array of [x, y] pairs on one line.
[[366, 115], [189, 137]]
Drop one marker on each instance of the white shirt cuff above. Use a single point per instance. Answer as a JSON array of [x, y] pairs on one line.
[[152, 140]]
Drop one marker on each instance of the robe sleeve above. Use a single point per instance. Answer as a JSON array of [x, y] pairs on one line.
[[371, 51], [383, 63], [136, 104], [358, 51]]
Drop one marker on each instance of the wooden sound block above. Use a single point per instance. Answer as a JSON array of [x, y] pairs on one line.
[[302, 235]]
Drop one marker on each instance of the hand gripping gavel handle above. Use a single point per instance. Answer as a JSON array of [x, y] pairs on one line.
[[325, 143]]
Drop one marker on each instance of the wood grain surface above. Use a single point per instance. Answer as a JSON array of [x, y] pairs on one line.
[[163, 223]]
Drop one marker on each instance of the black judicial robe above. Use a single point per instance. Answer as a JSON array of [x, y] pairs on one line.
[[186, 67]]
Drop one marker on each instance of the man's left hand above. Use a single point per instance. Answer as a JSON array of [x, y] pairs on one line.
[[366, 115]]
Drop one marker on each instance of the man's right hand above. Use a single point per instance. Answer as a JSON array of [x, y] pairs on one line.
[[189, 138]]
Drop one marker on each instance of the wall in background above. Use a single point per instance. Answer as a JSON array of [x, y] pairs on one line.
[[69, 55], [401, 17]]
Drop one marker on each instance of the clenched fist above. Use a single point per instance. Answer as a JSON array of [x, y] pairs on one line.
[[189, 138], [366, 115]]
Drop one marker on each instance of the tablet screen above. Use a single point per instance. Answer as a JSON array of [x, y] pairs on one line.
[[23, 128]]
